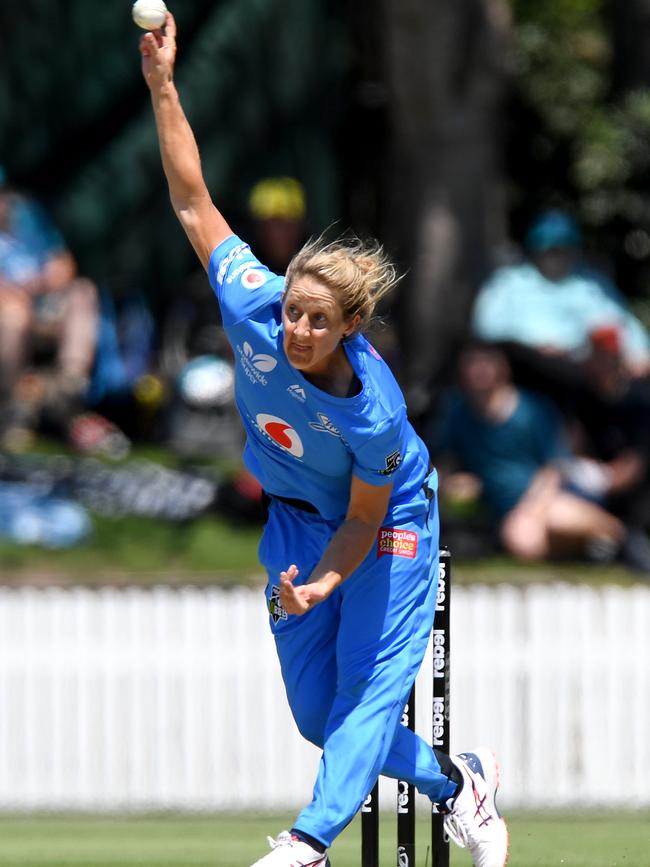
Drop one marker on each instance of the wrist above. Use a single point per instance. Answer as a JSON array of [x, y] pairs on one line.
[[164, 92], [327, 583]]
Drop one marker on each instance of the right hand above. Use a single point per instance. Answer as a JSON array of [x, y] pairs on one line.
[[158, 50]]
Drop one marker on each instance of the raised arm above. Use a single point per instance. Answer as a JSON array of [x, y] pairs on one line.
[[203, 223]]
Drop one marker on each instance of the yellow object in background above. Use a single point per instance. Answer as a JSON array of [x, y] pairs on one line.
[[281, 197]]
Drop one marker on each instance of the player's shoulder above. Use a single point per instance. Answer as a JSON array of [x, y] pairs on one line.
[[244, 286], [384, 405], [233, 259]]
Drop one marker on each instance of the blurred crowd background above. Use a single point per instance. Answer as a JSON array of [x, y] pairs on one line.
[[498, 148]]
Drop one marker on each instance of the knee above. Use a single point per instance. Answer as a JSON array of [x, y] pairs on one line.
[[524, 537], [15, 310]]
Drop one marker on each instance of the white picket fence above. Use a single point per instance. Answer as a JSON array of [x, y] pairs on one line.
[[171, 698]]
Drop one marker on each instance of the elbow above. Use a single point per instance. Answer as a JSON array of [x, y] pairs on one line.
[[183, 213], [180, 205], [187, 215], [365, 529], [188, 200]]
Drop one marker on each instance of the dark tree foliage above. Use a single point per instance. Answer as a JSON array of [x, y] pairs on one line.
[[334, 93], [442, 69], [579, 123], [260, 83]]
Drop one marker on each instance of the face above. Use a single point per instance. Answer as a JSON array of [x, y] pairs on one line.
[[556, 263], [481, 370], [313, 325]]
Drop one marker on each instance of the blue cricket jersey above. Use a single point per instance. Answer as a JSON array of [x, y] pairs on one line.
[[300, 441]]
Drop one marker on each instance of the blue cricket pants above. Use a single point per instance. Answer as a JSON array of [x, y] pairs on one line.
[[348, 664]]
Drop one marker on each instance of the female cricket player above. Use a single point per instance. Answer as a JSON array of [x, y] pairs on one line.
[[351, 540]]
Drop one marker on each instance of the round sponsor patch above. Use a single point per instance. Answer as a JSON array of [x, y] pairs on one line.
[[253, 279], [281, 433]]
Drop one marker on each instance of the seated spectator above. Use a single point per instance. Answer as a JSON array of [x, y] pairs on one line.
[[610, 420], [197, 363], [48, 313], [549, 304], [513, 441], [19, 278]]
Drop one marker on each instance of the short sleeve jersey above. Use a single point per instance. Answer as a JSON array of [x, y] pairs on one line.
[[302, 442]]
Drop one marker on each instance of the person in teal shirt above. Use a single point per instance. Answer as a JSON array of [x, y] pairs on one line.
[[513, 443], [552, 301]]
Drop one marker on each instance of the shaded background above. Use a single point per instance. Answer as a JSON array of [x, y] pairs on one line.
[[77, 126], [439, 127]]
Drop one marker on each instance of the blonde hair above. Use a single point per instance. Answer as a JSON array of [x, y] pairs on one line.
[[358, 273]]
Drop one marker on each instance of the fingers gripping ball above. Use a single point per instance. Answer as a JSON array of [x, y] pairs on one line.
[[149, 14]]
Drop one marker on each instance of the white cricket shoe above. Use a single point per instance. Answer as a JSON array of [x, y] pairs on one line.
[[474, 820], [289, 851]]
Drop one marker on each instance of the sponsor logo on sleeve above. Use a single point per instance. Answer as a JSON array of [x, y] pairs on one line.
[[236, 272], [392, 463], [253, 278], [255, 364], [276, 608], [281, 432], [236, 253], [396, 543]]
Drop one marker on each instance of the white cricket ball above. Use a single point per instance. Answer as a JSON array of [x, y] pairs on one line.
[[149, 14]]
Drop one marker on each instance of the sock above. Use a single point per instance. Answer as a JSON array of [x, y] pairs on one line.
[[311, 841], [453, 774]]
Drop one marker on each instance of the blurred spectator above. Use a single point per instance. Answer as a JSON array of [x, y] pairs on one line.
[[514, 443], [48, 314], [278, 211], [611, 430], [124, 385], [549, 304], [197, 363]]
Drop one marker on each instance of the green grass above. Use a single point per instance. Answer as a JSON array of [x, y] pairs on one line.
[[543, 840], [213, 550], [142, 550]]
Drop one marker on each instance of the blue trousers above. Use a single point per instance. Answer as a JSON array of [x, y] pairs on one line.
[[348, 664]]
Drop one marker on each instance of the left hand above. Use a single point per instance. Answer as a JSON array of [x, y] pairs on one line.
[[298, 600]]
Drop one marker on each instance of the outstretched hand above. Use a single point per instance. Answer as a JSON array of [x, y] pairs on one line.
[[158, 50], [298, 600]]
